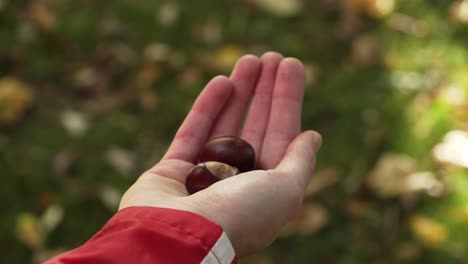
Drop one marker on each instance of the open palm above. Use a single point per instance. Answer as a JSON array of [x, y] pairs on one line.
[[253, 206]]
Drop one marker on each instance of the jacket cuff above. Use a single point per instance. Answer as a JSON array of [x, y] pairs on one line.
[[148, 235], [188, 228]]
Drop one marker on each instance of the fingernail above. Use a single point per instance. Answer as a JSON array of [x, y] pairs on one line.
[[317, 141]]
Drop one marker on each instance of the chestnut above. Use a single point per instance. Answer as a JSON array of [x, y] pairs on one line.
[[230, 150], [205, 174]]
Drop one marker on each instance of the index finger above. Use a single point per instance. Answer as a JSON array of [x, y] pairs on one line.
[[244, 78], [196, 127]]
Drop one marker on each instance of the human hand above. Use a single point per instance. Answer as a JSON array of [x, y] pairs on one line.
[[250, 207]]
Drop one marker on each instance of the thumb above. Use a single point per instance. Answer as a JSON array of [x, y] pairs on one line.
[[298, 161]]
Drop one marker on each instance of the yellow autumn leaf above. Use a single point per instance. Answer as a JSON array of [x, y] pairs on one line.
[[430, 232], [460, 214], [379, 8], [15, 100], [28, 230], [226, 56], [373, 8]]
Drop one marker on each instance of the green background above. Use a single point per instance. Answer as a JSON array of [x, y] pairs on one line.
[[110, 81]]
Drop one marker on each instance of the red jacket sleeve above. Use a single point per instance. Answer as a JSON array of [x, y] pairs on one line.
[[147, 235]]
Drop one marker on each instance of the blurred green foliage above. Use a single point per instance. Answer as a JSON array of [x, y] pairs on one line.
[[91, 93]]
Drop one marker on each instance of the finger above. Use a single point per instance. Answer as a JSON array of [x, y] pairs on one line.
[[284, 123], [156, 186], [173, 169], [298, 162], [244, 77], [196, 127], [259, 111]]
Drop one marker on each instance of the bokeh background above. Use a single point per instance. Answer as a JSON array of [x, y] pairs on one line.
[[92, 91]]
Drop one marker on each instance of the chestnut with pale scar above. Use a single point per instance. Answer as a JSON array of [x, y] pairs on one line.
[[221, 158]]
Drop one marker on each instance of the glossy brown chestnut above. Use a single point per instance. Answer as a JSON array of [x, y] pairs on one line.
[[230, 150], [205, 174]]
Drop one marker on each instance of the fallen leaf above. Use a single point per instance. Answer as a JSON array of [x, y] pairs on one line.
[[310, 219], [322, 179], [110, 197], [406, 24], [226, 56], [52, 217], [428, 231], [15, 100], [454, 96], [372, 8], [210, 33], [157, 52], [121, 160], [459, 11], [378, 8], [168, 14], [408, 81], [87, 78], [28, 230], [460, 214], [389, 176], [424, 181], [74, 123], [43, 14], [365, 50], [148, 75], [283, 8], [453, 149]]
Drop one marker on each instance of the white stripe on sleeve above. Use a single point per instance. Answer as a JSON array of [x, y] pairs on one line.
[[222, 252]]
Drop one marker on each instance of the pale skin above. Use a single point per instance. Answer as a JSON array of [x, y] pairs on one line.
[[251, 207]]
